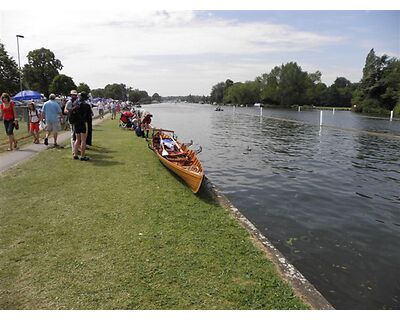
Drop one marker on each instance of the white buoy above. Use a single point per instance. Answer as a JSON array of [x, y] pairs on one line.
[[260, 111], [333, 110], [320, 118], [391, 115], [299, 109]]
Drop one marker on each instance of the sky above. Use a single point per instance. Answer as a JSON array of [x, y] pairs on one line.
[[181, 52]]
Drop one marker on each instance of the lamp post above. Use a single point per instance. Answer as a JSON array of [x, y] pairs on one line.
[[19, 61]]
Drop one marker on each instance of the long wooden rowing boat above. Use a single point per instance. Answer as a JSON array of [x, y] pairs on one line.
[[178, 158]]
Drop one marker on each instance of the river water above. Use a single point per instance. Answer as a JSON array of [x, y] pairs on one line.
[[328, 198]]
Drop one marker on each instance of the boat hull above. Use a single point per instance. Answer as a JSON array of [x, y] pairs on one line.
[[190, 170]]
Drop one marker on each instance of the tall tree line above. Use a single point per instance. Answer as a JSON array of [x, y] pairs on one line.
[[287, 85]]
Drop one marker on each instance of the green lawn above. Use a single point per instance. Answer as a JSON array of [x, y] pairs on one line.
[[121, 232]]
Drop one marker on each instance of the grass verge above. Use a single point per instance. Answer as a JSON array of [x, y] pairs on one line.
[[122, 232]]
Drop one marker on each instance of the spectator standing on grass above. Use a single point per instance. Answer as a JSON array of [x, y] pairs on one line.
[[73, 101], [79, 116], [51, 112], [9, 115], [34, 120], [89, 125], [146, 124]]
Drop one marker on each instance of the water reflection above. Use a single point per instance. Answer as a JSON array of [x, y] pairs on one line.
[[327, 198]]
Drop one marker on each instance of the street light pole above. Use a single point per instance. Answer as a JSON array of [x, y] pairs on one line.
[[19, 61]]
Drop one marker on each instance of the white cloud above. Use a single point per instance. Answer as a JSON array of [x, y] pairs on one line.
[[155, 51]]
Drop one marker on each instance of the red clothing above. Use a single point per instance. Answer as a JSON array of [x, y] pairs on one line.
[[8, 113], [34, 126], [147, 119]]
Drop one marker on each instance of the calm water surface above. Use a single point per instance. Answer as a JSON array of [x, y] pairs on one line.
[[328, 198]]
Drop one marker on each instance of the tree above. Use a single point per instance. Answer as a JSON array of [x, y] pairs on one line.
[[217, 92], [292, 85], [116, 91], [391, 82], [41, 69], [156, 97], [379, 86], [243, 93], [139, 96], [62, 84], [98, 93], [270, 92], [339, 94], [83, 87], [9, 73]]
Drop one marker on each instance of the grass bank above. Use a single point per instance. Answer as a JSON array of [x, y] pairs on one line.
[[121, 232]]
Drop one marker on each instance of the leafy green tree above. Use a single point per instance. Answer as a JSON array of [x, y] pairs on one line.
[[217, 92], [243, 93], [144, 97], [98, 93], [379, 86], [391, 82], [339, 94], [116, 91], [9, 73], [156, 97], [83, 87], [139, 96], [270, 92], [292, 85], [41, 69], [62, 84]]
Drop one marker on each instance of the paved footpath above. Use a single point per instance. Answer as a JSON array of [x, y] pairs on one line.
[[10, 159]]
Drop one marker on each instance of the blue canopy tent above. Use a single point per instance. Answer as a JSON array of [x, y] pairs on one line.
[[27, 95]]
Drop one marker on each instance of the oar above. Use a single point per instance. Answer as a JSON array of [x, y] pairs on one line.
[[164, 152], [176, 143]]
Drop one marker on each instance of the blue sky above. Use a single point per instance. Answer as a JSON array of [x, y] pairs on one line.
[[187, 52]]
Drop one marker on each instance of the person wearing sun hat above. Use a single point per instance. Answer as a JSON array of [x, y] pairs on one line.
[[72, 102]]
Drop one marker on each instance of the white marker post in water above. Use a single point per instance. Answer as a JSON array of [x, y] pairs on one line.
[[391, 115], [320, 118], [333, 110], [260, 111], [299, 109]]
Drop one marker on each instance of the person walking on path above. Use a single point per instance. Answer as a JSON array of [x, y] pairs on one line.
[[51, 113], [73, 102], [9, 115], [79, 116], [100, 107], [34, 120], [113, 111]]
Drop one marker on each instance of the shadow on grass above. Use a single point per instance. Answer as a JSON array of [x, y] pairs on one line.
[[102, 158], [205, 192], [100, 149]]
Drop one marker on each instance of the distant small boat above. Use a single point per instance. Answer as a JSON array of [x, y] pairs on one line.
[[178, 158], [219, 109]]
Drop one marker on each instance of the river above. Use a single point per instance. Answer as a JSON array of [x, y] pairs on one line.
[[327, 197]]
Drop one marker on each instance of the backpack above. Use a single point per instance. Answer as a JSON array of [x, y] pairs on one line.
[[74, 115]]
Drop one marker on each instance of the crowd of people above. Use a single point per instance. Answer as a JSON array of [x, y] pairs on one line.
[[76, 111], [138, 120]]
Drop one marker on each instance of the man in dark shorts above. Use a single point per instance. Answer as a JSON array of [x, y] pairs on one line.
[[80, 115]]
